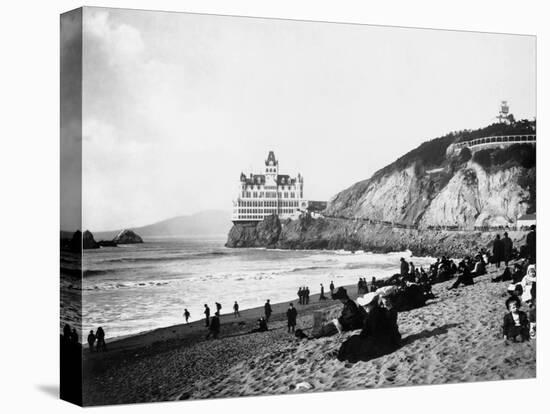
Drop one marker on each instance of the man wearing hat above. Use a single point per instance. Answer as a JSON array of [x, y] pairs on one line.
[[351, 317]]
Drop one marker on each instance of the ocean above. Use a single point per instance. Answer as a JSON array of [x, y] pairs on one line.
[[135, 288]]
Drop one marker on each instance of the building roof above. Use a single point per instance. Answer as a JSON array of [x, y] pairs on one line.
[[271, 159], [258, 179], [530, 216]]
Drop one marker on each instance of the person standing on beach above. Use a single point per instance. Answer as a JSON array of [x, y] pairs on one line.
[[100, 336], [91, 340], [531, 245], [307, 296], [331, 287], [267, 310], [373, 284], [322, 295], [207, 314], [218, 307], [300, 295], [74, 336], [498, 250], [214, 328], [236, 313], [404, 267], [187, 315], [507, 247], [291, 315]]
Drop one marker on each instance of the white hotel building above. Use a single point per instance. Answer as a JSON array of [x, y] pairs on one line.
[[261, 195]]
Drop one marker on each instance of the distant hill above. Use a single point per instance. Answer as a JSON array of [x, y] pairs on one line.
[[205, 223]]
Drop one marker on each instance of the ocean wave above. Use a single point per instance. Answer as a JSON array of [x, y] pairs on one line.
[[126, 285]]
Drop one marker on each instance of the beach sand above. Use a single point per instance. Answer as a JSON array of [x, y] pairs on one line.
[[454, 338]]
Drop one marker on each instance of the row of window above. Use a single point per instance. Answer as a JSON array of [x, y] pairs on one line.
[[259, 214], [258, 187], [268, 203], [269, 194]]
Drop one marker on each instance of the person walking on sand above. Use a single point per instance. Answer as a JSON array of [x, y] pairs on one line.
[[91, 340], [186, 315], [207, 314], [331, 287], [267, 310], [214, 329], [236, 313], [100, 336], [322, 295], [291, 315]]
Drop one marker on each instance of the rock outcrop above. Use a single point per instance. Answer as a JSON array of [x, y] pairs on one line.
[[88, 241], [127, 237]]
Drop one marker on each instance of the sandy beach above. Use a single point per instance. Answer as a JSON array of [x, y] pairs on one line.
[[454, 338]]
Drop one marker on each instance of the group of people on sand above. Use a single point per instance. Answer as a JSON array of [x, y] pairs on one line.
[[96, 341], [363, 286], [303, 295]]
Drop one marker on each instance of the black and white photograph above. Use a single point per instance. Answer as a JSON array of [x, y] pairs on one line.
[[256, 207], [269, 206]]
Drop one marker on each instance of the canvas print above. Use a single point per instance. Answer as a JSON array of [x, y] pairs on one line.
[[257, 206]]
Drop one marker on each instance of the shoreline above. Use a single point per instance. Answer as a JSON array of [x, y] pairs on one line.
[[453, 338]]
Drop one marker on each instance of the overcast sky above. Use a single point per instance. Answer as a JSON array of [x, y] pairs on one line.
[[176, 105]]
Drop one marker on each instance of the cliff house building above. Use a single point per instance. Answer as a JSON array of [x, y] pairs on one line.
[[261, 195]]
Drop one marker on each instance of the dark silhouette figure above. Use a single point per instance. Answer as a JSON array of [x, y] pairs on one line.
[[531, 245], [186, 315], [498, 251], [507, 248], [351, 317], [331, 287], [207, 315], [307, 295], [291, 315], [404, 267], [91, 341], [465, 278], [214, 329], [300, 295], [262, 326], [322, 295], [236, 313], [373, 284], [74, 336], [100, 336], [218, 307], [267, 310]]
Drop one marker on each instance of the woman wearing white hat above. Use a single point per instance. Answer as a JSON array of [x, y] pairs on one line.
[[378, 336]]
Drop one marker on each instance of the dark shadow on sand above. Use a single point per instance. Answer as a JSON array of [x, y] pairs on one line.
[[427, 333]]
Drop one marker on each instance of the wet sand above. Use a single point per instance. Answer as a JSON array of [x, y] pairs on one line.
[[454, 338]]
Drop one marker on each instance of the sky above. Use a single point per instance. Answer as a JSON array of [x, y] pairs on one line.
[[175, 106]]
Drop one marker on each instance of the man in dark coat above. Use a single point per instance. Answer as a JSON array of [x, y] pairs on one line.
[[507, 247], [465, 278], [207, 314], [214, 328], [531, 243], [331, 287], [291, 315], [498, 250], [267, 310]]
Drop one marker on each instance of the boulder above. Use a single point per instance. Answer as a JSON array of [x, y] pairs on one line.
[[88, 241], [127, 237]]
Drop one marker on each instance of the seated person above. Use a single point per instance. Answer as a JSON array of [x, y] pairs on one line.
[[262, 326], [506, 275], [464, 278], [351, 317], [516, 324], [479, 267], [527, 283], [379, 336]]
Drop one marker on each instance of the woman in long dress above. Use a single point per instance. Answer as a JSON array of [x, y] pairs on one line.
[[379, 336]]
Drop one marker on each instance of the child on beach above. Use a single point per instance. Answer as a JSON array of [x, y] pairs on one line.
[[516, 324]]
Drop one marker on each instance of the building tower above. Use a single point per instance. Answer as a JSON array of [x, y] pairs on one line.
[[271, 170], [504, 113]]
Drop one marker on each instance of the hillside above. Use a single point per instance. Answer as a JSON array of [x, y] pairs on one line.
[[426, 187], [205, 223]]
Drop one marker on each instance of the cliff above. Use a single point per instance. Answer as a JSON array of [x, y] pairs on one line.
[[402, 205]]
